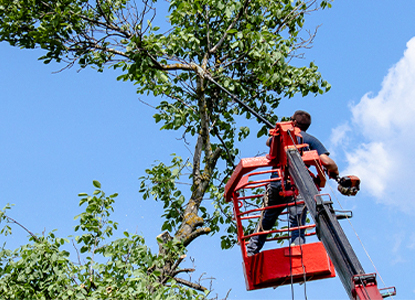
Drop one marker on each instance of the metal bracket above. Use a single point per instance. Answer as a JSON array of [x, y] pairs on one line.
[[388, 292], [343, 214], [319, 201]]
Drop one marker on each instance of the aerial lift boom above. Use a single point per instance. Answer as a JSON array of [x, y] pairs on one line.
[[356, 282]]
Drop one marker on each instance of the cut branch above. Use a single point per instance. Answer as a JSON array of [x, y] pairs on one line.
[[198, 232]]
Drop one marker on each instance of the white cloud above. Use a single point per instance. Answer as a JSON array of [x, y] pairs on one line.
[[393, 108], [373, 164], [385, 160], [339, 135]]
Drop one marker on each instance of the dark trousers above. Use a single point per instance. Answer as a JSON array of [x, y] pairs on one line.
[[297, 217]]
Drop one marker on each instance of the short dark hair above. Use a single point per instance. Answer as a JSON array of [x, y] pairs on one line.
[[303, 119]]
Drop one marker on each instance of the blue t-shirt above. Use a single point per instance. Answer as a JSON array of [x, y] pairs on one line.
[[314, 143]]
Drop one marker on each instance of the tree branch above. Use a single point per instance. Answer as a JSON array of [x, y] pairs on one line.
[[11, 220], [214, 158], [198, 232], [183, 271], [191, 284], [77, 253], [177, 263], [196, 158], [102, 11]]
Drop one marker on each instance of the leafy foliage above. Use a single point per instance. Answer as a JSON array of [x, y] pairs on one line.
[[182, 52], [162, 186], [121, 269]]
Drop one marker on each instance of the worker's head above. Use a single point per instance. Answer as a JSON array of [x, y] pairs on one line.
[[302, 119]]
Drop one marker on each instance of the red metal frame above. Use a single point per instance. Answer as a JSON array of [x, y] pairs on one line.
[[365, 288]]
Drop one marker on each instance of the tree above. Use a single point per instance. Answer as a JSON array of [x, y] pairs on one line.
[[247, 46]]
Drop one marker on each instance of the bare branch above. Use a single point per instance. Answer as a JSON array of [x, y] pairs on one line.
[[191, 284], [77, 253], [11, 220], [183, 271]]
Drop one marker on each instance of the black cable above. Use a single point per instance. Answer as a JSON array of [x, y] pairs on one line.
[[291, 263], [301, 247]]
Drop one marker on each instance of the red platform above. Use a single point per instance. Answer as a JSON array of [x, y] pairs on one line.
[[272, 268]]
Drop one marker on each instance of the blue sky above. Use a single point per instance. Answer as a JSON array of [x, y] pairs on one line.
[[60, 131]]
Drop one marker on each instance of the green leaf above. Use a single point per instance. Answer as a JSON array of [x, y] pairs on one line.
[[97, 184]]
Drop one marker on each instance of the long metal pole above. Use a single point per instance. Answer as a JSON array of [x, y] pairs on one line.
[[240, 102]]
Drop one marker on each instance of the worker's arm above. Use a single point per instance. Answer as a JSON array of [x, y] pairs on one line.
[[330, 165]]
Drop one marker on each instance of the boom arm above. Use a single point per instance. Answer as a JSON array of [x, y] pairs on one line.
[[357, 284]]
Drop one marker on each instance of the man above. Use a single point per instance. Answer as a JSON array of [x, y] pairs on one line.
[[302, 120]]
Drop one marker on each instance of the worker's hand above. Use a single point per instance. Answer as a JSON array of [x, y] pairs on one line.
[[333, 174]]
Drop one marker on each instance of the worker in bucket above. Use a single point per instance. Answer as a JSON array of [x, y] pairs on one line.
[[297, 214]]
